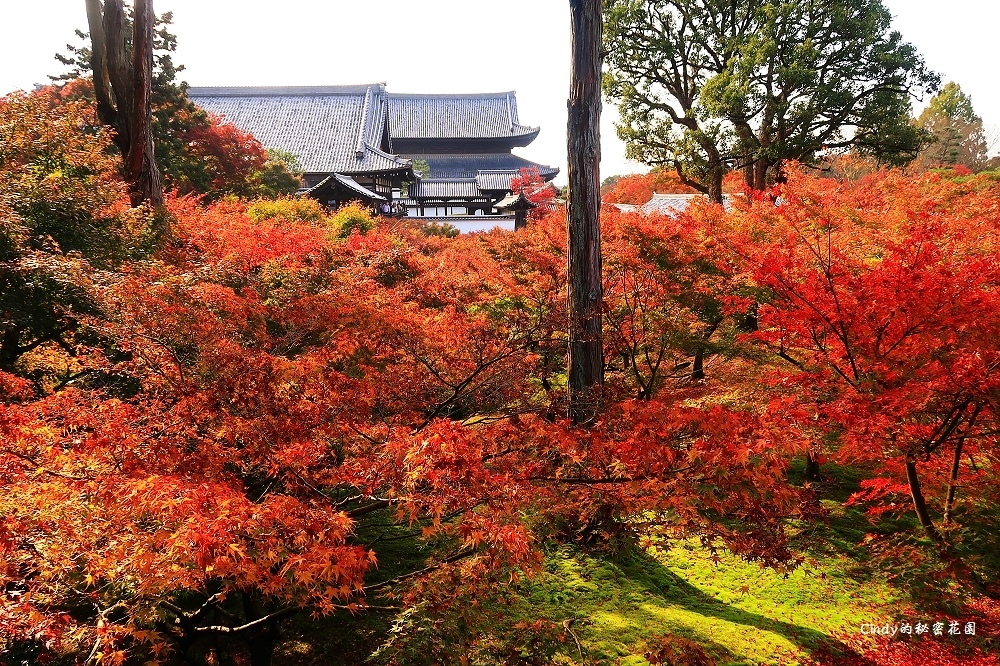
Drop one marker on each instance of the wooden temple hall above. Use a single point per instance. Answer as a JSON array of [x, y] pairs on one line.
[[362, 143]]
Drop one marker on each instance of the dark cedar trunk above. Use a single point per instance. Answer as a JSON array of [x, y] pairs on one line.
[[755, 174], [748, 173], [99, 65], [586, 355], [262, 644], [113, 83], [141, 170], [754, 169], [698, 367], [919, 505], [123, 89]]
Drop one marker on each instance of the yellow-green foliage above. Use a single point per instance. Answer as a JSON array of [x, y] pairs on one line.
[[439, 229], [350, 217], [291, 209]]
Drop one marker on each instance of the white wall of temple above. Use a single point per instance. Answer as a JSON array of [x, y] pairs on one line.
[[441, 211], [467, 225]]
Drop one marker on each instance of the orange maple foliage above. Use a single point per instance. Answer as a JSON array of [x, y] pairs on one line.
[[880, 299], [536, 189], [240, 419], [638, 188], [199, 152], [273, 387]]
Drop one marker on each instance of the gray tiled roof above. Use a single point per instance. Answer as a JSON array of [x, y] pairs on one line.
[[467, 166], [489, 115], [299, 91], [349, 183], [513, 201], [445, 188], [330, 128], [671, 204], [341, 129], [496, 181], [352, 184]]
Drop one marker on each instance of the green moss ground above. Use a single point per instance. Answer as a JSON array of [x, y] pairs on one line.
[[739, 612]]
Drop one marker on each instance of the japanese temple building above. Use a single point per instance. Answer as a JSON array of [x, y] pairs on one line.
[[361, 142]]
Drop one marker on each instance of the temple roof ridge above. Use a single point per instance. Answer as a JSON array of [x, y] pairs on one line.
[[482, 95], [282, 91]]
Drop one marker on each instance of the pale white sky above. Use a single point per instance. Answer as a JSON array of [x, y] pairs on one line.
[[441, 46]]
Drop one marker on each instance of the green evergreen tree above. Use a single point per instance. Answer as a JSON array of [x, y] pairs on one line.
[[958, 135], [706, 86]]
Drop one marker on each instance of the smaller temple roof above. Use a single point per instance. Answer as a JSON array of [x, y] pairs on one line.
[[671, 204], [352, 184], [457, 116], [348, 183], [271, 91], [516, 202]]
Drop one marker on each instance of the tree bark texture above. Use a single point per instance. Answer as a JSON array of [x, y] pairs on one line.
[[123, 89], [141, 163], [698, 368], [956, 468], [919, 504], [586, 356]]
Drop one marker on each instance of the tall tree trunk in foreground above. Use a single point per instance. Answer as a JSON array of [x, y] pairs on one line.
[[123, 88], [586, 356]]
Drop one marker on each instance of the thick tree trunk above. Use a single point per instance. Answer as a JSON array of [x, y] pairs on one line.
[[141, 170], [99, 65], [748, 172], [919, 504], [698, 367], [586, 355], [759, 175], [119, 73], [262, 645], [715, 176], [123, 88]]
